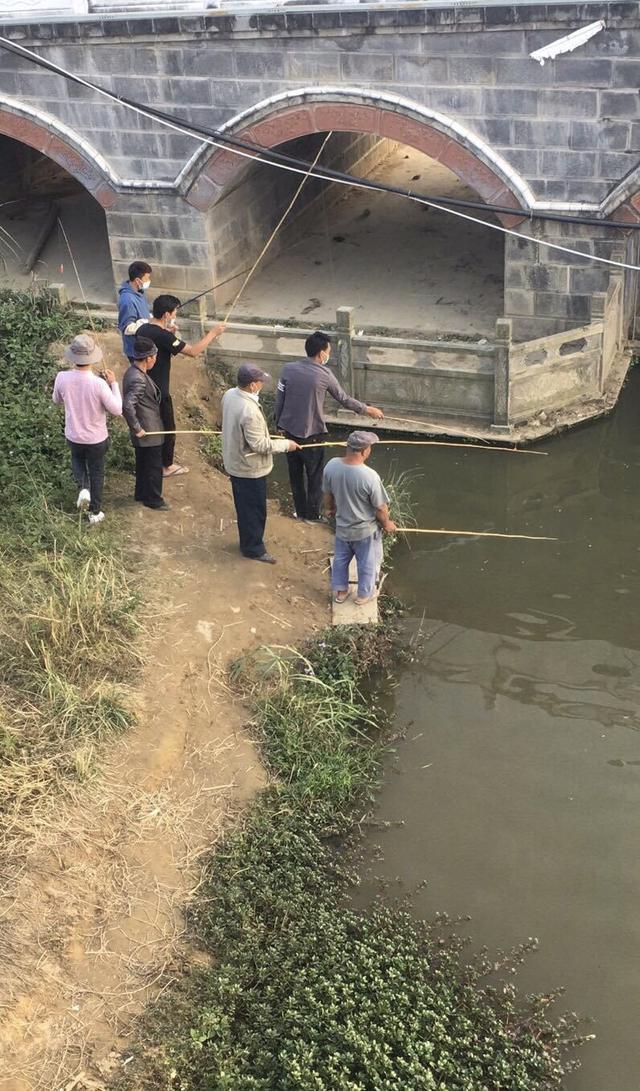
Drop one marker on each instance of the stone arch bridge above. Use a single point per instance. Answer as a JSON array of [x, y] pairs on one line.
[[455, 82]]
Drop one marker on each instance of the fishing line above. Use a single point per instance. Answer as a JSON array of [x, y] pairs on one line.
[[275, 231], [233, 145], [75, 269]]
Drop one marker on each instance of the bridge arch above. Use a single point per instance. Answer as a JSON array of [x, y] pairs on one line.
[[294, 114], [41, 131]]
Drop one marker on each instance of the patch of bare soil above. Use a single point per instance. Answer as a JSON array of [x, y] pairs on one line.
[[93, 928]]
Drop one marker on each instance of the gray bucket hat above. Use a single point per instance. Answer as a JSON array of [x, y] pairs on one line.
[[359, 441], [83, 351]]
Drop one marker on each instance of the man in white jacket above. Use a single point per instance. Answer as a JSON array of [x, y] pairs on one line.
[[247, 451]]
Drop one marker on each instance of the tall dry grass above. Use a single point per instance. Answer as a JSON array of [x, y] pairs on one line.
[[67, 608], [68, 651]]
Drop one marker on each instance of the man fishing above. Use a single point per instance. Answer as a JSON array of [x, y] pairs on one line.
[[161, 329], [87, 399], [141, 410], [247, 452], [355, 496], [299, 414]]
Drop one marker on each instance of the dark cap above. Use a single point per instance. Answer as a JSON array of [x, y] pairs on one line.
[[144, 347], [359, 441], [251, 373]]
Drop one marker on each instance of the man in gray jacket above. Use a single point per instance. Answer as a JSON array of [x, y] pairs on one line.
[[299, 413], [141, 410], [247, 450]]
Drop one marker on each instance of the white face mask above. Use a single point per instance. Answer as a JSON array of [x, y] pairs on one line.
[[256, 397], [145, 284]]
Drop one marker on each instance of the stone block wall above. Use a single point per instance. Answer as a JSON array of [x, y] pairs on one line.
[[567, 133], [165, 231], [548, 291]]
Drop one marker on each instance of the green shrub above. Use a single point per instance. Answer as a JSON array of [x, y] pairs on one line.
[[68, 628], [34, 456], [211, 447]]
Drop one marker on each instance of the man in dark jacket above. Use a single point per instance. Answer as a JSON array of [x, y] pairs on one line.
[[133, 308], [141, 410], [299, 414]]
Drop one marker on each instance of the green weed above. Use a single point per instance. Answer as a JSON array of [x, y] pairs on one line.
[[307, 994], [68, 612]]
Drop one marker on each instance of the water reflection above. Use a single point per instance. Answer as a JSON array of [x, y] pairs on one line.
[[588, 680], [519, 780]]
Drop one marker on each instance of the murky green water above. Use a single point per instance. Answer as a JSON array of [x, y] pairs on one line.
[[518, 784]]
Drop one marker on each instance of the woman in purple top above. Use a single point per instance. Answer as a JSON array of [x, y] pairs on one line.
[[87, 398]]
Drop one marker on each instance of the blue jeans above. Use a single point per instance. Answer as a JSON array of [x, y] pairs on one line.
[[368, 555]]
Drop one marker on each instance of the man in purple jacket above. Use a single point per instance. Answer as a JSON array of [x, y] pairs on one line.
[[299, 413]]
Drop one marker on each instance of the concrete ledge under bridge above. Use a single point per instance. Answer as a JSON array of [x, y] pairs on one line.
[[491, 389]]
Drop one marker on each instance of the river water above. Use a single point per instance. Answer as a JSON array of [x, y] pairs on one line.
[[515, 792]]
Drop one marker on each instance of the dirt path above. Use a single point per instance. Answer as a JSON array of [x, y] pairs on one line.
[[94, 928]]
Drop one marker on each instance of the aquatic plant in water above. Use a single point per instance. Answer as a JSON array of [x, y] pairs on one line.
[[305, 993]]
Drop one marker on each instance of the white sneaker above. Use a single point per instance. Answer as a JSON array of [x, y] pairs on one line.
[[96, 517], [84, 499]]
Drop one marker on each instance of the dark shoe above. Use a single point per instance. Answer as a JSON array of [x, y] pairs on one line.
[[158, 507], [266, 558], [315, 519]]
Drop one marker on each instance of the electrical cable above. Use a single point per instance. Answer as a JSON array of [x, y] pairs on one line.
[[275, 231], [328, 174], [225, 142]]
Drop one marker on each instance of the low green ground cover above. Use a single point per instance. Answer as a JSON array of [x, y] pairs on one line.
[[67, 608], [304, 993]]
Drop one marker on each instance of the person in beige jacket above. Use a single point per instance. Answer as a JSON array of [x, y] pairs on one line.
[[247, 453]]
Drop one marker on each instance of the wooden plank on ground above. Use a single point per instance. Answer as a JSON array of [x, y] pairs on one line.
[[347, 613]]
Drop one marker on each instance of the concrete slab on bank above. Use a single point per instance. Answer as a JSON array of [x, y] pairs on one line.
[[347, 613]]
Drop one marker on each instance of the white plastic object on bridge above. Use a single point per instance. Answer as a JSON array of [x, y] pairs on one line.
[[568, 43]]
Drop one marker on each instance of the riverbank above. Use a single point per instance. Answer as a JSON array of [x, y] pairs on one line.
[[271, 979], [301, 992], [106, 856]]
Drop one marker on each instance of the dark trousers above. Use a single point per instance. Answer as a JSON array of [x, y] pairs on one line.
[[87, 466], [305, 476], [168, 422], [149, 475], [250, 499]]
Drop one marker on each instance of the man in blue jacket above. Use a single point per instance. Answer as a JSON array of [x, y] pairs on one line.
[[132, 304]]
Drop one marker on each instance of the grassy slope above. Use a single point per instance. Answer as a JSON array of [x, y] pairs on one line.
[[67, 609]]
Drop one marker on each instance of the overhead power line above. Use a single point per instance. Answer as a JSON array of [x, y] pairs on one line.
[[246, 150]]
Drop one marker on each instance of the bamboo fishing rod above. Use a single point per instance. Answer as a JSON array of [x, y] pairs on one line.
[[474, 534], [422, 443], [275, 231], [343, 443]]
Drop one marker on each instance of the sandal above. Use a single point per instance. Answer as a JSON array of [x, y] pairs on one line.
[[363, 602], [177, 471], [341, 596]]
